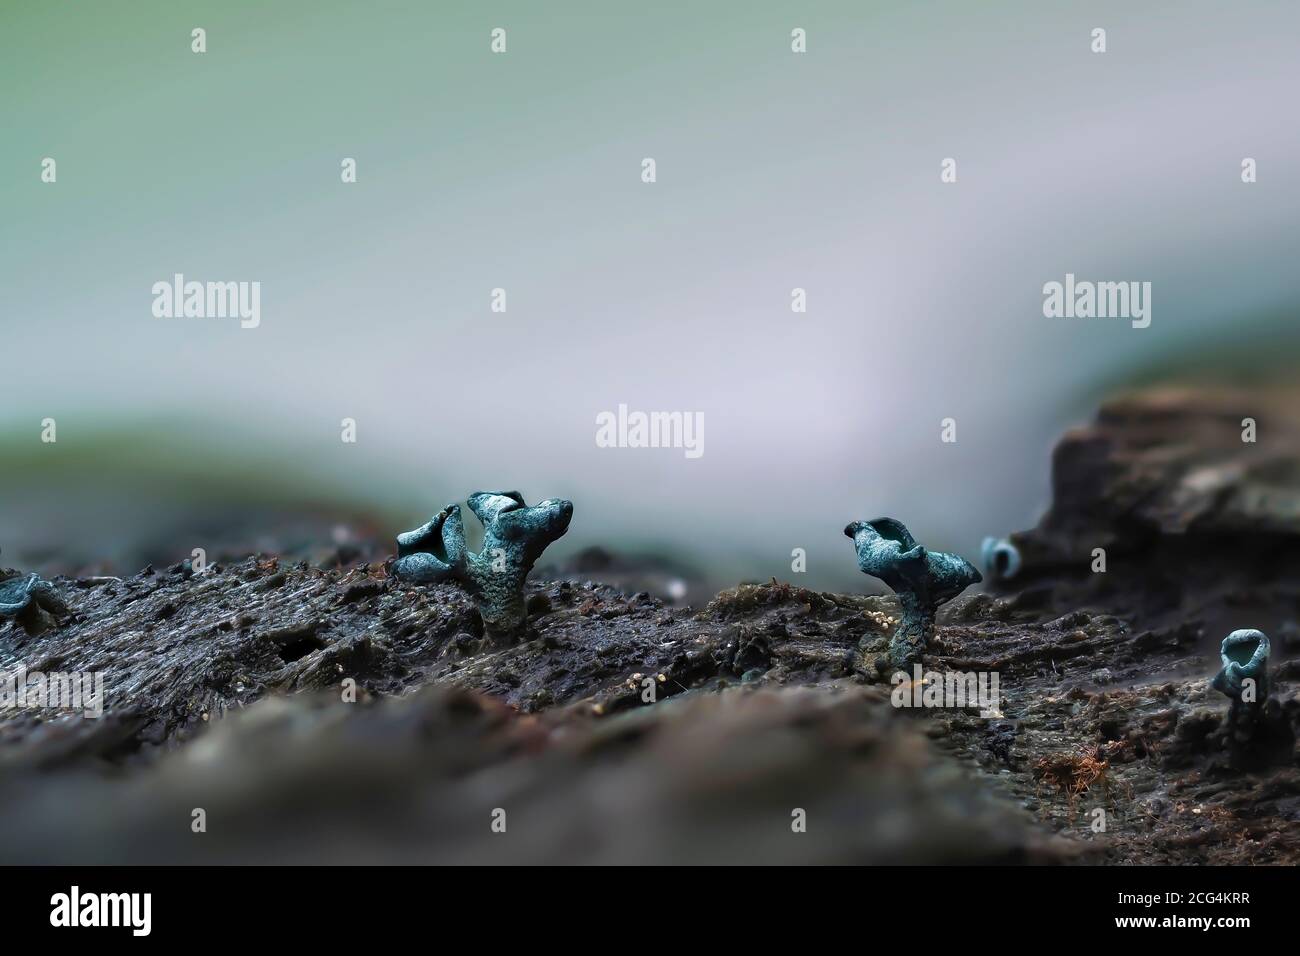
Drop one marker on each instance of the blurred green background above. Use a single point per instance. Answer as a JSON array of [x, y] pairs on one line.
[[522, 171]]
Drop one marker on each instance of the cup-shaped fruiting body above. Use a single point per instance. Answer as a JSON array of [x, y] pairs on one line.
[[1244, 676], [1257, 730], [514, 537], [422, 554], [24, 596], [1001, 558], [922, 580], [16, 593]]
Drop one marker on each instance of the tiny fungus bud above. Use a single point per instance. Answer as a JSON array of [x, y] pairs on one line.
[[1001, 558]]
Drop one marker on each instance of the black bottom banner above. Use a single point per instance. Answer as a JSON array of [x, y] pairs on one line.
[[305, 905]]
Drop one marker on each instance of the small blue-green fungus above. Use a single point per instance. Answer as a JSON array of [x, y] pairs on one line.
[[514, 536], [922, 580]]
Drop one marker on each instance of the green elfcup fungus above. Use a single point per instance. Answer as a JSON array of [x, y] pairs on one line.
[[514, 536], [1001, 558], [922, 580], [1244, 676], [1257, 731], [24, 596]]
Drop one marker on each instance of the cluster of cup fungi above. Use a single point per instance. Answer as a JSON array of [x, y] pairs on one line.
[[515, 534]]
